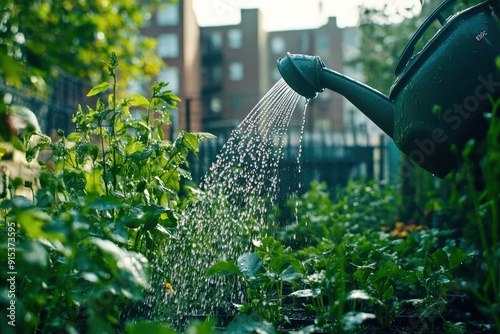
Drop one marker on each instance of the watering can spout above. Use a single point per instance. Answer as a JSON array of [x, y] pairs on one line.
[[308, 76]]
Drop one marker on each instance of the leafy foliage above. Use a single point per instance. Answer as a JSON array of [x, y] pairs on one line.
[[75, 35], [107, 193]]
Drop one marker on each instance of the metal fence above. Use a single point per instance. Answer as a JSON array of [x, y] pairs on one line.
[[54, 108], [333, 158]]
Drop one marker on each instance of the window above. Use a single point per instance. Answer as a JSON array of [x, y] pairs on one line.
[[236, 71], [168, 15], [168, 45], [216, 104], [278, 45], [235, 38], [170, 75], [215, 73], [216, 39]]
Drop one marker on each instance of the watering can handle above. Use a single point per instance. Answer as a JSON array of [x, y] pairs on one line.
[[410, 47], [436, 14]]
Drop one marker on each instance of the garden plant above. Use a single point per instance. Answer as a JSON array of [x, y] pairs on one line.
[[79, 251]]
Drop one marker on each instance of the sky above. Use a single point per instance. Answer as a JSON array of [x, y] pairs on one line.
[[287, 14]]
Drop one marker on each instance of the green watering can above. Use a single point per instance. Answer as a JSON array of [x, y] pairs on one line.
[[440, 94]]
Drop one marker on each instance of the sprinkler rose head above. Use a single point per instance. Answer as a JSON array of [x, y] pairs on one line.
[[302, 73]]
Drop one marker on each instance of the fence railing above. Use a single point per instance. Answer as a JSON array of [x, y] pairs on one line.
[[328, 157]]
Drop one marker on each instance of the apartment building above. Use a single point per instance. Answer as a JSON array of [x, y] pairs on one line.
[[221, 72], [178, 38], [325, 112]]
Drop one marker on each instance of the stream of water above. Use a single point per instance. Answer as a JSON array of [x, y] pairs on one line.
[[237, 196]]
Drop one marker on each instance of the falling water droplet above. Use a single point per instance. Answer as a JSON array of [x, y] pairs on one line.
[[237, 193]]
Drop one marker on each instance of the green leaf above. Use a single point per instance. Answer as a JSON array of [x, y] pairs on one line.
[[94, 182], [306, 293], [457, 256], [99, 88], [224, 268], [129, 269], [141, 155], [191, 141], [352, 319], [33, 222], [384, 272], [151, 220], [131, 221], [204, 136], [358, 294], [205, 327], [138, 100], [107, 202], [388, 293], [249, 264], [74, 137], [290, 274], [148, 327], [74, 180], [134, 147], [440, 258]]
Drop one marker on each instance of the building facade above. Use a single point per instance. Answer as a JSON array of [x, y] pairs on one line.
[[221, 72], [177, 33]]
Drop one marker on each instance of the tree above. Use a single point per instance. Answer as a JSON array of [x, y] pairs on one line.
[[38, 36]]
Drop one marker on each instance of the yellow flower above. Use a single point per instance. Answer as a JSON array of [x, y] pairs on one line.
[[168, 286]]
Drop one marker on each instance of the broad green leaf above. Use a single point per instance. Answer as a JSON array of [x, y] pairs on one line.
[[290, 274], [205, 327], [306, 293], [362, 274], [74, 137], [204, 136], [384, 272], [97, 324], [141, 155], [224, 268], [249, 264], [134, 147], [74, 180], [33, 222], [151, 220], [107, 202], [351, 320], [138, 100], [357, 294], [94, 182], [131, 221], [172, 180], [388, 293], [130, 269], [191, 141], [457, 256], [99, 88], [440, 258]]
